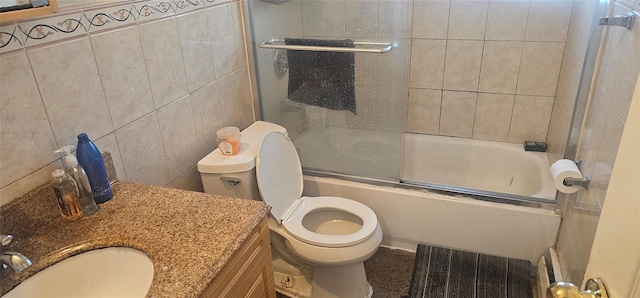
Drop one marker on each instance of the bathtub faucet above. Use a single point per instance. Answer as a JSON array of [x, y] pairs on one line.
[[11, 260]]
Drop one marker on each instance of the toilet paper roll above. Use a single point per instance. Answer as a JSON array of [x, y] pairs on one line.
[[562, 169]]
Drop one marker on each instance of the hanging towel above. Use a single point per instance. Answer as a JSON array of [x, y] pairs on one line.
[[324, 79]]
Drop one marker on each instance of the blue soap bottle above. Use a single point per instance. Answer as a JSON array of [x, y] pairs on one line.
[[90, 159]]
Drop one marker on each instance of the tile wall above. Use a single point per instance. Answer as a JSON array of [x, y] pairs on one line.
[[477, 69], [604, 124], [486, 69], [149, 81]]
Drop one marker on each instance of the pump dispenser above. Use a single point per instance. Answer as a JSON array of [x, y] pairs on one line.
[[66, 191], [77, 173]]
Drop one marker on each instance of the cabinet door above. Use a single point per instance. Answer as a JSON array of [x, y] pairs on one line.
[[249, 272]]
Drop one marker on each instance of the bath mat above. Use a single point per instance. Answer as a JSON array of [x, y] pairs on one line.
[[446, 273]]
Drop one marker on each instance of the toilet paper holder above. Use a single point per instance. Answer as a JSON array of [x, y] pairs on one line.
[[582, 182]]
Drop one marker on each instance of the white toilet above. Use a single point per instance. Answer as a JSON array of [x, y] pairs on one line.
[[318, 243]]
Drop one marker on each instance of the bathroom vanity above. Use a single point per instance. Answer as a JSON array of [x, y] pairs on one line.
[[201, 245]]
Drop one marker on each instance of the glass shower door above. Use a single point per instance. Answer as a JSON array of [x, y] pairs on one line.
[[355, 128]]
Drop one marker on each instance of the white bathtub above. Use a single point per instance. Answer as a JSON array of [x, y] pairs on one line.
[[477, 164], [409, 217]]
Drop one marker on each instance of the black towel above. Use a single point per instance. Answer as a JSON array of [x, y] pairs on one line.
[[324, 79]]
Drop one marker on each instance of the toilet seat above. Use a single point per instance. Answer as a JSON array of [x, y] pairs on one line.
[[280, 182], [294, 223]]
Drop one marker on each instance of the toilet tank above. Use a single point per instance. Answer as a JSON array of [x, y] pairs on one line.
[[236, 175]]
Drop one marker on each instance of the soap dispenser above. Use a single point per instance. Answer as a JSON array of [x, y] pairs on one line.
[[78, 174], [67, 194]]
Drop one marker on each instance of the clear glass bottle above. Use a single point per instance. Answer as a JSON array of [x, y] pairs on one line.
[[67, 194], [75, 171]]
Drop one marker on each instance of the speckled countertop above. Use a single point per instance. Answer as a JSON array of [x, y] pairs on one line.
[[167, 224]]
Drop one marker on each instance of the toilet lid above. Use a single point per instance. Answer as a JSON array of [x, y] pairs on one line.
[[279, 173]]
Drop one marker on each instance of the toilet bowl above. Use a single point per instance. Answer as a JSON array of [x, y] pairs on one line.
[[318, 243], [322, 231]]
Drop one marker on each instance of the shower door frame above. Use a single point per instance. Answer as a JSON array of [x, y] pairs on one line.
[[580, 106]]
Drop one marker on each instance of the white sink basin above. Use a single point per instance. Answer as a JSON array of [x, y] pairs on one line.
[[107, 272]]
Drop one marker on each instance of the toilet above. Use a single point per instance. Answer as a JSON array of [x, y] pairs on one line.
[[318, 244]]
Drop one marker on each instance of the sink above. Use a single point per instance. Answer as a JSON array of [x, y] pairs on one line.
[[106, 272]]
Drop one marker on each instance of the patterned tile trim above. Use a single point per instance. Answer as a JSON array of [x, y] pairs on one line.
[[10, 38], [52, 29], [153, 10], [183, 6], [106, 18], [61, 26]]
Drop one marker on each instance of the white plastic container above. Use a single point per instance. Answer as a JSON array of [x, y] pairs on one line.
[[229, 140]]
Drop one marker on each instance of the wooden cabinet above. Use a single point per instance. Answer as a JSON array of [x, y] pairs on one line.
[[249, 272], [29, 13]]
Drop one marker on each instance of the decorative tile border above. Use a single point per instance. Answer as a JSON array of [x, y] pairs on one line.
[[52, 29], [184, 6], [10, 38], [16, 36], [153, 10], [106, 18]]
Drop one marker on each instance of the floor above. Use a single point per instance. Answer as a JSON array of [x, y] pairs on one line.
[[389, 272]]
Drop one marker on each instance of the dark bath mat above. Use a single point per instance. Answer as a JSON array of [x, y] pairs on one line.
[[445, 273]]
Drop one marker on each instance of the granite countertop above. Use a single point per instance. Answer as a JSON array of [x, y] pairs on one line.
[[167, 224]]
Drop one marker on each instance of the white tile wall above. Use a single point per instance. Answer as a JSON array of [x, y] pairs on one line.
[[530, 118], [500, 66], [427, 63], [424, 111], [195, 40], [431, 19], [125, 82], [71, 94], [493, 117], [468, 19], [142, 152], [355, 25], [548, 21], [496, 47], [163, 57], [127, 86], [540, 68], [27, 141], [179, 136], [462, 65], [457, 114], [507, 20]]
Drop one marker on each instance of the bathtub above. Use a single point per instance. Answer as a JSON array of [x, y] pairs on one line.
[[432, 161], [410, 216], [477, 164]]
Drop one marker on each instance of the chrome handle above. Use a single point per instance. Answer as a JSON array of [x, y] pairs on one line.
[[231, 180], [624, 21], [594, 288], [582, 182], [360, 47]]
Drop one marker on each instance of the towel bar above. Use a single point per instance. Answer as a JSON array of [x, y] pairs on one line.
[[360, 47]]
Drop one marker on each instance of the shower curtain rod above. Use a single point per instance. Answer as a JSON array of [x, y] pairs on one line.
[[360, 47]]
